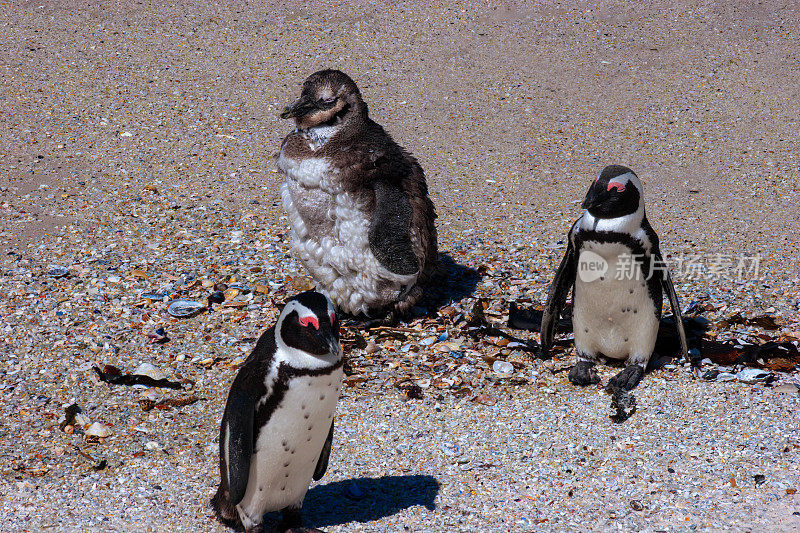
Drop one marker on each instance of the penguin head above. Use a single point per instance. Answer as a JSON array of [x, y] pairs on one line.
[[308, 330], [616, 192], [329, 98]]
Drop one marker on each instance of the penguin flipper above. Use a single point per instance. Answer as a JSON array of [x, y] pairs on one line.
[[322, 463], [238, 440], [674, 303], [557, 297], [389, 231]]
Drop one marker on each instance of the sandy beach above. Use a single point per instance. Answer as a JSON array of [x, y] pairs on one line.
[[137, 154]]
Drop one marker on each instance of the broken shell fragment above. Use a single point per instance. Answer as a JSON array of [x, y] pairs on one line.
[[185, 308], [58, 271], [147, 369], [98, 430]]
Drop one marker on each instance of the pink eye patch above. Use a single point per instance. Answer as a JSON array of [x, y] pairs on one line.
[[620, 187], [309, 321], [333, 317]]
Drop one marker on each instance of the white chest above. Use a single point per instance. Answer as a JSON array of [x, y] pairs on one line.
[[613, 310], [289, 446]]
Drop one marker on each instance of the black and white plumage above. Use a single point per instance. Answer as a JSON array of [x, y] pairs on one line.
[[277, 428], [614, 263], [362, 222]]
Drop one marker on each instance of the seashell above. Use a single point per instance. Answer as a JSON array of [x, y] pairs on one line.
[[503, 368], [98, 430], [57, 271], [244, 289], [147, 369], [183, 308], [81, 420], [427, 341], [752, 375], [231, 293], [207, 283], [154, 296]]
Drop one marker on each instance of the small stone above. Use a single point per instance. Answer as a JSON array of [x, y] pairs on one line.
[[372, 348]]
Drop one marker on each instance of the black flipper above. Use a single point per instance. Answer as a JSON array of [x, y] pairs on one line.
[[322, 463], [674, 303], [557, 297], [389, 231], [238, 425]]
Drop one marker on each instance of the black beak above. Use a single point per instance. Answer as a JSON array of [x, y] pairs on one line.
[[303, 106], [593, 199], [327, 338]]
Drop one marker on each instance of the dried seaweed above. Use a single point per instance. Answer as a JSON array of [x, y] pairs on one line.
[[133, 379]]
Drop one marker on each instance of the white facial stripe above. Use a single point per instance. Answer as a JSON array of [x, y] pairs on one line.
[[626, 179], [302, 311]]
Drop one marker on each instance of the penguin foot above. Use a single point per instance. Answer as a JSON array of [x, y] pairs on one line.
[[583, 374], [627, 379], [391, 319]]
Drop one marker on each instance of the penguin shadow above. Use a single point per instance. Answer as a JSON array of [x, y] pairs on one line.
[[366, 499], [451, 282]]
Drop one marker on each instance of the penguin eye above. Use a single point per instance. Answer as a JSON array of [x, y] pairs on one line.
[[613, 185], [327, 101], [309, 321]]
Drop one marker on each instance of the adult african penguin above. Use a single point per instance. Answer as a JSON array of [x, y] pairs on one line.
[[362, 222], [615, 266], [277, 426]]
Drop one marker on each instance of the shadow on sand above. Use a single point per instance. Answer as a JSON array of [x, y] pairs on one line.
[[451, 283], [366, 499]]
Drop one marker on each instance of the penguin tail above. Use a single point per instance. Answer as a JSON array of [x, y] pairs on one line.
[[225, 510]]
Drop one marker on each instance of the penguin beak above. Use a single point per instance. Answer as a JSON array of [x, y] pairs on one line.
[[593, 199], [303, 106], [328, 339]]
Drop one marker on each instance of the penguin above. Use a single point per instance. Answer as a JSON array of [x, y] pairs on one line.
[[362, 221], [614, 264], [277, 428]]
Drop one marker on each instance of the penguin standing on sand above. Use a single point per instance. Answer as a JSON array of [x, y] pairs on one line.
[[362, 222], [615, 266], [277, 427]]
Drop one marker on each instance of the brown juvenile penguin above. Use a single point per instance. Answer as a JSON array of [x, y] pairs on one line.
[[363, 225]]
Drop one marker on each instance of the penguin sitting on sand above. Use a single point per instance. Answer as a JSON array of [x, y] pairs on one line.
[[362, 222], [277, 427], [615, 266]]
